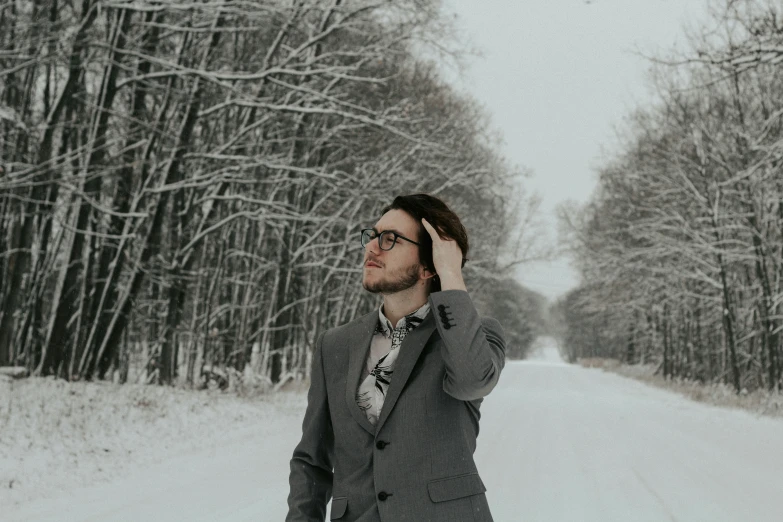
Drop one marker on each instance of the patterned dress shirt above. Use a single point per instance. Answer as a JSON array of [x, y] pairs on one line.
[[384, 349]]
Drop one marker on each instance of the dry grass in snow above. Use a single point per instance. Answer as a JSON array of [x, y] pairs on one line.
[[56, 436], [761, 402]]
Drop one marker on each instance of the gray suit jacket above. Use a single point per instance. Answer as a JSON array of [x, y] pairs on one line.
[[417, 463]]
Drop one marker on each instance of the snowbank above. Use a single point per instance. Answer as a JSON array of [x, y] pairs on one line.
[[56, 436], [762, 402]]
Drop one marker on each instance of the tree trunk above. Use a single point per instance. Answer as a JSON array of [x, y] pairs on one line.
[[59, 335]]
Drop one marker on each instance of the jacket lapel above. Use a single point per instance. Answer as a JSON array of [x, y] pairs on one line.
[[410, 350], [358, 343]]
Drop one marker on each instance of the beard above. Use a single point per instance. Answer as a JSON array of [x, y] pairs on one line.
[[400, 280]]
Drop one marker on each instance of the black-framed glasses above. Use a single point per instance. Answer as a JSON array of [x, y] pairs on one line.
[[386, 239]]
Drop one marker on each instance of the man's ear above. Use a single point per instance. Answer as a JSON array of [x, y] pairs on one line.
[[426, 273]]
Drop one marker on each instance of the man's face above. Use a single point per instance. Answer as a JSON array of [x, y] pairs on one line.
[[391, 271]]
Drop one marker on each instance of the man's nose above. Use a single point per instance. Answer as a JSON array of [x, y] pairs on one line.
[[374, 246]]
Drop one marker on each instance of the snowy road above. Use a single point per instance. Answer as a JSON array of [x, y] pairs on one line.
[[557, 443]]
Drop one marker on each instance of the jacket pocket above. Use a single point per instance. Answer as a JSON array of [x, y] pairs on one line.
[[459, 486], [339, 505]]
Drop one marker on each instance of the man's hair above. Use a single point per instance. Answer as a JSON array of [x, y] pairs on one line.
[[441, 217]]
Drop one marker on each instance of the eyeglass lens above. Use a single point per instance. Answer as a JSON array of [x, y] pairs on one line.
[[385, 239]]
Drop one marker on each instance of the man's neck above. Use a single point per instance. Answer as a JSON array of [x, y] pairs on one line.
[[396, 306]]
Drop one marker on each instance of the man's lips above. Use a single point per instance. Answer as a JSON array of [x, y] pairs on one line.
[[372, 264]]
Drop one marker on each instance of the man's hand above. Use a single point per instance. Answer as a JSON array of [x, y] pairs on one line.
[[447, 258]]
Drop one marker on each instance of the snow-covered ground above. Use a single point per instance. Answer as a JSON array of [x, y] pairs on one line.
[[59, 440], [558, 443]]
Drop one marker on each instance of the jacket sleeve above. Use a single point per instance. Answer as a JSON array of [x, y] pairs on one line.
[[312, 463], [474, 349]]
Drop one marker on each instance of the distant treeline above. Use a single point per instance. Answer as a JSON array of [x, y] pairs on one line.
[[522, 313], [183, 183], [681, 249]]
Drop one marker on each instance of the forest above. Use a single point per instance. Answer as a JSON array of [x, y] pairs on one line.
[[182, 183], [681, 247]]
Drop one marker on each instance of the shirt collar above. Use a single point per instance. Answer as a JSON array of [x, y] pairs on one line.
[[410, 321]]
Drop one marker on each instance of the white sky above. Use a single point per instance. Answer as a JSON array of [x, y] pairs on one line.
[[557, 76]]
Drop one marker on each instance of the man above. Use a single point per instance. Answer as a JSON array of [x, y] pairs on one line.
[[393, 407]]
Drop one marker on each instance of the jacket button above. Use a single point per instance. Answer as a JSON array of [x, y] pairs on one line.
[[447, 326], [441, 307], [381, 444], [383, 496]]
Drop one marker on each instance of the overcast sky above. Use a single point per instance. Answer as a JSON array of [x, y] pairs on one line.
[[557, 76]]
